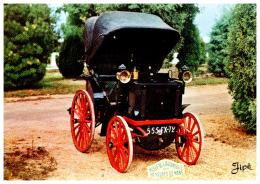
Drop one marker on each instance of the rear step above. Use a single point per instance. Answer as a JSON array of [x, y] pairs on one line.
[[69, 110]]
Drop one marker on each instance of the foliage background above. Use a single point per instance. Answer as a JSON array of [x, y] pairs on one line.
[[218, 43], [28, 41], [179, 16]]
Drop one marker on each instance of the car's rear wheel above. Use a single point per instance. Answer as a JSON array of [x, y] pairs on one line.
[[189, 139]]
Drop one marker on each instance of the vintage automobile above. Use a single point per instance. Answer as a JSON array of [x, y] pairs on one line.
[[126, 94]]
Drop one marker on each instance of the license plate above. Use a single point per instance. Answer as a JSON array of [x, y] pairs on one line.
[[159, 130]]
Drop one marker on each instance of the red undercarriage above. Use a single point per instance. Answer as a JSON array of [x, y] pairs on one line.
[[153, 122], [137, 124]]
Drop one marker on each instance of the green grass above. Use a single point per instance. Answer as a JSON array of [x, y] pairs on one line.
[[54, 83], [208, 81]]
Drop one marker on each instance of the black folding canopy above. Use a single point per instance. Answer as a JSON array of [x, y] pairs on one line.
[[129, 38]]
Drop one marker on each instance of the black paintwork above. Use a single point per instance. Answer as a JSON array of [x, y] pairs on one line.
[[135, 39]]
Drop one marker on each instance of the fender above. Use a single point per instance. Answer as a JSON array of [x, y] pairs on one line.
[[184, 106]]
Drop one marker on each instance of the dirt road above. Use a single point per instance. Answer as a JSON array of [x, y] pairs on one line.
[[46, 122]]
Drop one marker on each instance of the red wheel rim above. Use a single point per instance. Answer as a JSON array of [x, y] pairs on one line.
[[119, 144], [189, 139], [82, 120]]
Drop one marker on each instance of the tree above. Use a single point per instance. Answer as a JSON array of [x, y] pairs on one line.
[[28, 41], [192, 52], [71, 54], [176, 15], [241, 64], [202, 58], [217, 45]]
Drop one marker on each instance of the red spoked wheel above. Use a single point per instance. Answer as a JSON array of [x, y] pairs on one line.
[[119, 144], [189, 139], [82, 120]]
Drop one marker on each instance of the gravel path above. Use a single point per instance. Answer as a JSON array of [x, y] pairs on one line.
[[46, 122]]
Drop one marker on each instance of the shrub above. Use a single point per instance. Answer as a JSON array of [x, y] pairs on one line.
[[241, 64], [28, 41], [72, 51]]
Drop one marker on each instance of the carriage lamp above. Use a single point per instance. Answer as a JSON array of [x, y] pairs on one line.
[[185, 74], [123, 76]]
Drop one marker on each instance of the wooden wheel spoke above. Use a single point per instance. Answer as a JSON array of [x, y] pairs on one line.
[[187, 153], [85, 105], [88, 110], [122, 131], [78, 104], [124, 139], [117, 155], [195, 141], [116, 127], [183, 150], [80, 100], [78, 132], [83, 139], [195, 133], [82, 107], [189, 123], [125, 150], [119, 128], [83, 102], [79, 137], [119, 160], [193, 147], [114, 153], [192, 154], [88, 121], [113, 139], [87, 115], [123, 157], [114, 132], [80, 140], [88, 129], [185, 123], [77, 126], [121, 153], [119, 136], [77, 113], [88, 136], [193, 126]]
